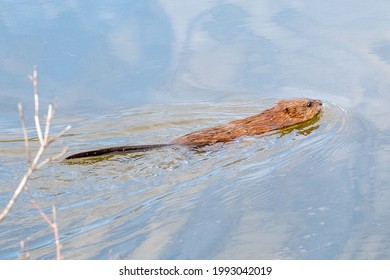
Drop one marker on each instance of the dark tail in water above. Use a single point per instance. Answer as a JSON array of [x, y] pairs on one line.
[[124, 149]]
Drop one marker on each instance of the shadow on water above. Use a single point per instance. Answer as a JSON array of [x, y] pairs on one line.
[[304, 128]]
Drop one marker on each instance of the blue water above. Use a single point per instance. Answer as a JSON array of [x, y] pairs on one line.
[[146, 72]]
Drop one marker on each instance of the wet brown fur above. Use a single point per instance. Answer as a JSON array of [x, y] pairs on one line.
[[284, 114]]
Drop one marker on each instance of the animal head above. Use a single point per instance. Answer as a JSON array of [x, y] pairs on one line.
[[300, 109]]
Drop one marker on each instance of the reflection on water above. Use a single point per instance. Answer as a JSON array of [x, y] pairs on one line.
[[146, 72]]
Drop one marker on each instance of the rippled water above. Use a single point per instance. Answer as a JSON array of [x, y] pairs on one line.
[[151, 71], [277, 196]]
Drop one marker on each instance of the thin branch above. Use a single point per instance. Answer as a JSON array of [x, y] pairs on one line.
[[34, 79], [49, 159], [25, 132], [52, 224], [34, 164], [25, 251], [58, 135], [22, 184], [49, 118], [44, 140]]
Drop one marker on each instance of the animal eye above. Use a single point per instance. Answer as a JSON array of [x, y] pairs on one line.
[[309, 104]]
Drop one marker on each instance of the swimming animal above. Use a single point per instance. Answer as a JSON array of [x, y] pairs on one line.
[[284, 114]]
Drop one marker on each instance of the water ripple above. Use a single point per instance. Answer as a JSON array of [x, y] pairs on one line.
[[124, 199]]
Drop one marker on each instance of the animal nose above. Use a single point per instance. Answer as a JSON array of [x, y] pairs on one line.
[[319, 102]]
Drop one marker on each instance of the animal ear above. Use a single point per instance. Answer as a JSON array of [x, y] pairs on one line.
[[291, 111]]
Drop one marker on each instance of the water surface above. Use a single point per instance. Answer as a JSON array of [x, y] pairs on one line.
[[145, 72]]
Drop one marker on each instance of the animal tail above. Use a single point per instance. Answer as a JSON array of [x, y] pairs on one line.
[[128, 149]]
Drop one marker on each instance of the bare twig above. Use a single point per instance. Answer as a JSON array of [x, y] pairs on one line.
[[52, 224], [24, 250], [21, 186], [60, 134], [25, 133], [50, 116], [34, 79], [49, 159], [45, 140]]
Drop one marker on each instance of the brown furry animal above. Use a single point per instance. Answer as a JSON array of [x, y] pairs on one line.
[[286, 113]]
